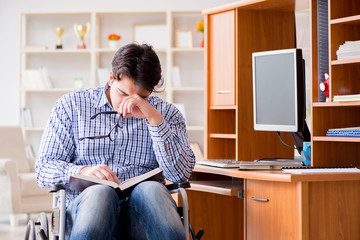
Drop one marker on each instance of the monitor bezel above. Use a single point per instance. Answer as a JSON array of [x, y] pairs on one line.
[[299, 92]]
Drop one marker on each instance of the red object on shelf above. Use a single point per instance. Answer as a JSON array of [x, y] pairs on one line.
[[324, 86]]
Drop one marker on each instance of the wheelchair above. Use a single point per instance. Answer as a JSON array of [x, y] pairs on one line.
[[40, 228]]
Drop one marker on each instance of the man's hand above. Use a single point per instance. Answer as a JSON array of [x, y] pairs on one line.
[[100, 172], [138, 107]]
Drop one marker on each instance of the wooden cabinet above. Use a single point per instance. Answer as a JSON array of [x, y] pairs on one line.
[[272, 210], [276, 205], [221, 69], [233, 33], [37, 47], [344, 26]]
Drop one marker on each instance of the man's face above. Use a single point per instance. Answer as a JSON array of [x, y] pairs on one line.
[[123, 88]]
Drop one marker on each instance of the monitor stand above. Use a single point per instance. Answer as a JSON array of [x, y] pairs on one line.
[[300, 137]]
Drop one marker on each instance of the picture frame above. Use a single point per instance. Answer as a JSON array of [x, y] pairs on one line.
[[183, 39], [153, 34]]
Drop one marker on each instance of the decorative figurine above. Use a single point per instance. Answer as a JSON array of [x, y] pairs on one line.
[[324, 86]]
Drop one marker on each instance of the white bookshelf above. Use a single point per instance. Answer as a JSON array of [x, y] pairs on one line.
[[64, 65]]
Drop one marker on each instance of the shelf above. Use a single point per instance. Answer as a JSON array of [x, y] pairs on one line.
[[222, 187], [60, 51], [346, 61], [221, 135], [195, 128], [34, 129], [188, 89], [199, 49], [222, 107], [105, 50], [50, 90], [336, 104], [346, 20], [336, 139]]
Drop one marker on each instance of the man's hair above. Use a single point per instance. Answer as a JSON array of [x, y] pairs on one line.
[[140, 63]]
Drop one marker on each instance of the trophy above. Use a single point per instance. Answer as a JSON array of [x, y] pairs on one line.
[[59, 31], [81, 31]]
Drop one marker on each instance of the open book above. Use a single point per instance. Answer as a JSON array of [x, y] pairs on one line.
[[80, 182]]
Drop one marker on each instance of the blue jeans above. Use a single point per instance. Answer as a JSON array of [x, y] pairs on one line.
[[148, 212]]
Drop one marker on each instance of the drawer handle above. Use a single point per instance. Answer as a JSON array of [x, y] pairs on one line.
[[224, 92], [259, 199]]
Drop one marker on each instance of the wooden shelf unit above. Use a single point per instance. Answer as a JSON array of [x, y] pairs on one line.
[[37, 48], [344, 25], [233, 33]]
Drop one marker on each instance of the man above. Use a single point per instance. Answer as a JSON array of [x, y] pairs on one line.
[[84, 136]]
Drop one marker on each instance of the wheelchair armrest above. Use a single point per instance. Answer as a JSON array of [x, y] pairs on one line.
[[56, 187], [177, 185]]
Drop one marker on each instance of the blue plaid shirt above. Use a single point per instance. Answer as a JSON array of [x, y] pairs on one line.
[[138, 147]]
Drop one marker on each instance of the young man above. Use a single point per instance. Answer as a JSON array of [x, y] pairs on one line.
[[84, 136]]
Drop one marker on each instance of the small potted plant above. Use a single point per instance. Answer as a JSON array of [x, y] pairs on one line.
[[200, 28], [114, 40]]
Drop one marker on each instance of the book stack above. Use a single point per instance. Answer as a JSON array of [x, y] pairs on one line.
[[346, 98], [344, 132], [349, 50]]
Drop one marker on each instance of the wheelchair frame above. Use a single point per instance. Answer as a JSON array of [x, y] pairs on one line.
[[57, 223]]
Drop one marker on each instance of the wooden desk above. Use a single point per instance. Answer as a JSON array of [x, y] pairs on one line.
[[274, 205]]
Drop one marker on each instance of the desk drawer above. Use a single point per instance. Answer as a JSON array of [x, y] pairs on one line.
[[272, 210]]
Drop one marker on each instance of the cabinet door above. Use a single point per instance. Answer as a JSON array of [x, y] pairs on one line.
[[272, 210], [221, 58]]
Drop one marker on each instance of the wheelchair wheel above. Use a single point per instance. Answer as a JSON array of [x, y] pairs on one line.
[[44, 229], [30, 231]]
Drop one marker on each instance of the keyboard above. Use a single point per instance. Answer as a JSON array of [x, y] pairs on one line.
[[222, 163]]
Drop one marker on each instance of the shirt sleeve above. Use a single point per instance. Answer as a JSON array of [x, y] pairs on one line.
[[171, 146], [53, 164]]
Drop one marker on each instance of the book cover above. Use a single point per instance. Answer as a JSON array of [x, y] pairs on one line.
[[80, 182], [45, 77]]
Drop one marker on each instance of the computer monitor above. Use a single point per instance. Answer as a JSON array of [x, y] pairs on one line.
[[279, 93]]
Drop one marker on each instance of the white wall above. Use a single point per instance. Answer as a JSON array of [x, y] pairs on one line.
[[9, 35]]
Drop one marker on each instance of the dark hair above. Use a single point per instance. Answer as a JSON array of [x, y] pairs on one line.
[[140, 63]]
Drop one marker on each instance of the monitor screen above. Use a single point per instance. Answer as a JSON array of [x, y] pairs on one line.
[[278, 90]]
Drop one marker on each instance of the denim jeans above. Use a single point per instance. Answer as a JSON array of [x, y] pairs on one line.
[[148, 212]]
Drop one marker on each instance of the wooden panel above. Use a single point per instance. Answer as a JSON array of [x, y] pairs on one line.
[[334, 210], [325, 118], [339, 9], [220, 148], [276, 219], [345, 79], [221, 60], [335, 153], [340, 33], [220, 216], [222, 121], [259, 31]]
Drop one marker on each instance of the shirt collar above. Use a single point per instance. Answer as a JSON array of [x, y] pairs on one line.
[[102, 98]]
